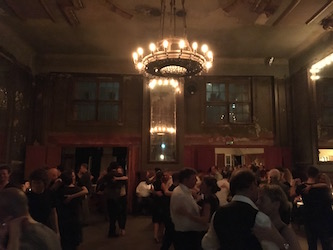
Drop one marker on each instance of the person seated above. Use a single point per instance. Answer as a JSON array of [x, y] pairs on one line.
[[18, 229]]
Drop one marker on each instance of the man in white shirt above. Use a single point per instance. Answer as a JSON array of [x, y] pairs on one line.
[[144, 199], [187, 232], [231, 226]]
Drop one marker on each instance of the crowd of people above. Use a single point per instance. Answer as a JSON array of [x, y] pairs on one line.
[[245, 207], [50, 211], [242, 208]]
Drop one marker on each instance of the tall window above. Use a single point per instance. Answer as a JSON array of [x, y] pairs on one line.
[[97, 100], [228, 101]]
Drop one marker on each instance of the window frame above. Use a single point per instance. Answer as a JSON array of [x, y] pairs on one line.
[[227, 81], [97, 101]]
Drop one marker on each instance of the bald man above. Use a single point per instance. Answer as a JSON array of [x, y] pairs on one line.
[[18, 229]]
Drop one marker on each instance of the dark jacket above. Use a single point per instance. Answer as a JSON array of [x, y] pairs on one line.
[[233, 225]]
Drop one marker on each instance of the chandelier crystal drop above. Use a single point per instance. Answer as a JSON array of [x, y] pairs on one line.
[[173, 56]]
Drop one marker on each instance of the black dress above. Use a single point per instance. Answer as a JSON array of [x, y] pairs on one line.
[[158, 202]]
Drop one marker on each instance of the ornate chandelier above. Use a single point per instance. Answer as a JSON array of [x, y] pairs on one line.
[[173, 56]]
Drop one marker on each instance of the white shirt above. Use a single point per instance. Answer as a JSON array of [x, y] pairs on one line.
[[182, 198], [211, 242], [143, 189], [222, 195]]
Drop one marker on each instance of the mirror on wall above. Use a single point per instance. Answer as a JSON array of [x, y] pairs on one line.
[[324, 112], [163, 146]]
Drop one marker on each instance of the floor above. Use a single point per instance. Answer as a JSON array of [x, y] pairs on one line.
[[139, 235]]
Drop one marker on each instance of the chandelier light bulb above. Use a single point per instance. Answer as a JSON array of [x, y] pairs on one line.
[[140, 51], [315, 77], [195, 46], [152, 47], [204, 48], [165, 44], [135, 56], [210, 55], [317, 67], [181, 44], [209, 65], [140, 66]]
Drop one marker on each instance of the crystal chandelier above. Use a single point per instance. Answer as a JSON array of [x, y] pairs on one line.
[[173, 56]]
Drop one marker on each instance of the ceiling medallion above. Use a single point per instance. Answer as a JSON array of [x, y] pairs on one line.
[[173, 56]]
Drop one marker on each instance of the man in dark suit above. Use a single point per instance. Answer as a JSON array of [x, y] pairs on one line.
[[231, 227]]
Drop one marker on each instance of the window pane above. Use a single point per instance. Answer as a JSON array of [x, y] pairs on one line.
[[84, 112], [85, 91], [109, 91], [239, 113], [327, 116], [215, 92], [239, 92], [108, 112], [216, 114]]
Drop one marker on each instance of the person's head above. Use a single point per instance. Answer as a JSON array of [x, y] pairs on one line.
[[83, 168], [159, 175], [149, 177], [209, 185], [38, 180], [4, 174], [68, 177], [313, 172], [243, 182], [53, 174], [187, 177], [166, 177], [273, 175], [273, 201], [213, 170], [13, 204], [112, 166], [120, 170]]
